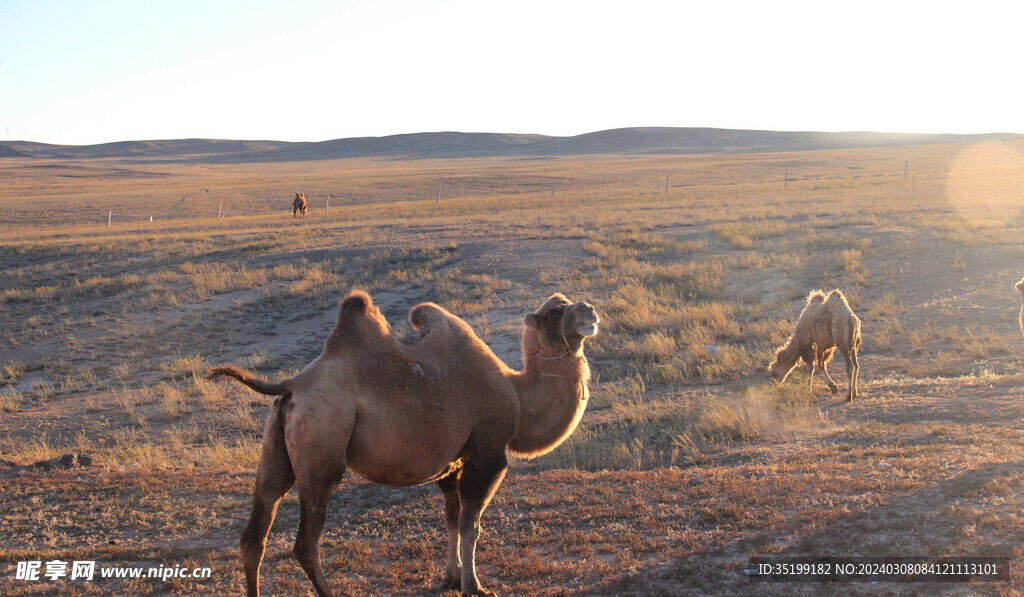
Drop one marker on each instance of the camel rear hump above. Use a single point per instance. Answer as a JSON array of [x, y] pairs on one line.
[[837, 297], [359, 322], [837, 304]]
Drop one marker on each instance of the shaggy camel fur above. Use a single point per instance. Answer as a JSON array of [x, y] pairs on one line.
[[438, 406], [299, 205], [1020, 289], [826, 323]]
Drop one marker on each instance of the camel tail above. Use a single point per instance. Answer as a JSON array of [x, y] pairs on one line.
[[261, 386]]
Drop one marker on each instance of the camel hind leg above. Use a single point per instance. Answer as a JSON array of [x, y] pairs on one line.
[[273, 480], [317, 447], [313, 514], [852, 372], [855, 376]]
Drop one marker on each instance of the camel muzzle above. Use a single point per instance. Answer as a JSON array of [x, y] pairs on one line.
[[586, 319]]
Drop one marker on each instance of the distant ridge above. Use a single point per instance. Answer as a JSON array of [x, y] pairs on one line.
[[171, 148], [639, 140]]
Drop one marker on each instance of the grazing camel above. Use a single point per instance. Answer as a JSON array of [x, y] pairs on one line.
[[437, 406], [1020, 288], [826, 323], [299, 205]]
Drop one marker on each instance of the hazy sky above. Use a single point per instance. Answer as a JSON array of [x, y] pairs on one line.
[[90, 71]]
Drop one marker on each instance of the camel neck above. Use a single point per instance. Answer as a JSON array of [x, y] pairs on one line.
[[1022, 319], [552, 397]]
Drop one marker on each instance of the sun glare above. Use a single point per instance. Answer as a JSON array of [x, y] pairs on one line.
[[987, 179]]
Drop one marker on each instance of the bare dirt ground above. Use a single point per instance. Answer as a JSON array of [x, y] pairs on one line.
[[927, 463]]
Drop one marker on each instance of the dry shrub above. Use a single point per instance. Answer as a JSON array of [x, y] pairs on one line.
[[185, 365], [619, 393], [170, 400], [652, 436], [742, 235], [886, 306], [10, 400], [211, 395]]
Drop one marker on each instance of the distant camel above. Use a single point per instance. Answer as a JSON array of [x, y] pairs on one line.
[[826, 323], [437, 406], [1020, 289], [299, 205]]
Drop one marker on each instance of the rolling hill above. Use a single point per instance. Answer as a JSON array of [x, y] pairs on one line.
[[639, 140]]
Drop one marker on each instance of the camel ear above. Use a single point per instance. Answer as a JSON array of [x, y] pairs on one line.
[[531, 320]]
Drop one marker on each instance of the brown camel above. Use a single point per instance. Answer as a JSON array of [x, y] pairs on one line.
[[299, 205], [437, 406], [826, 323], [1020, 289]]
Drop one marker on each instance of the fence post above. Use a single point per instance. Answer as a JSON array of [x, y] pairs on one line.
[[785, 181], [328, 203], [219, 205], [906, 166], [109, 217]]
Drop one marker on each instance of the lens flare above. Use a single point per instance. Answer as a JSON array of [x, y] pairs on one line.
[[986, 180]]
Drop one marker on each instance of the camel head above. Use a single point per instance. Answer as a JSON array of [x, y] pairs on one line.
[[1020, 286], [300, 197], [786, 359], [562, 326]]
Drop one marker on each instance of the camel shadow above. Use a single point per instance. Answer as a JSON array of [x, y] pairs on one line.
[[943, 519]]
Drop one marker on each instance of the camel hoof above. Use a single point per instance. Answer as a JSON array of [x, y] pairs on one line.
[[834, 389], [450, 584]]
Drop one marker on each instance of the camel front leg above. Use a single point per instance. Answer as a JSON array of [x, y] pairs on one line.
[[452, 508], [477, 485], [832, 385]]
